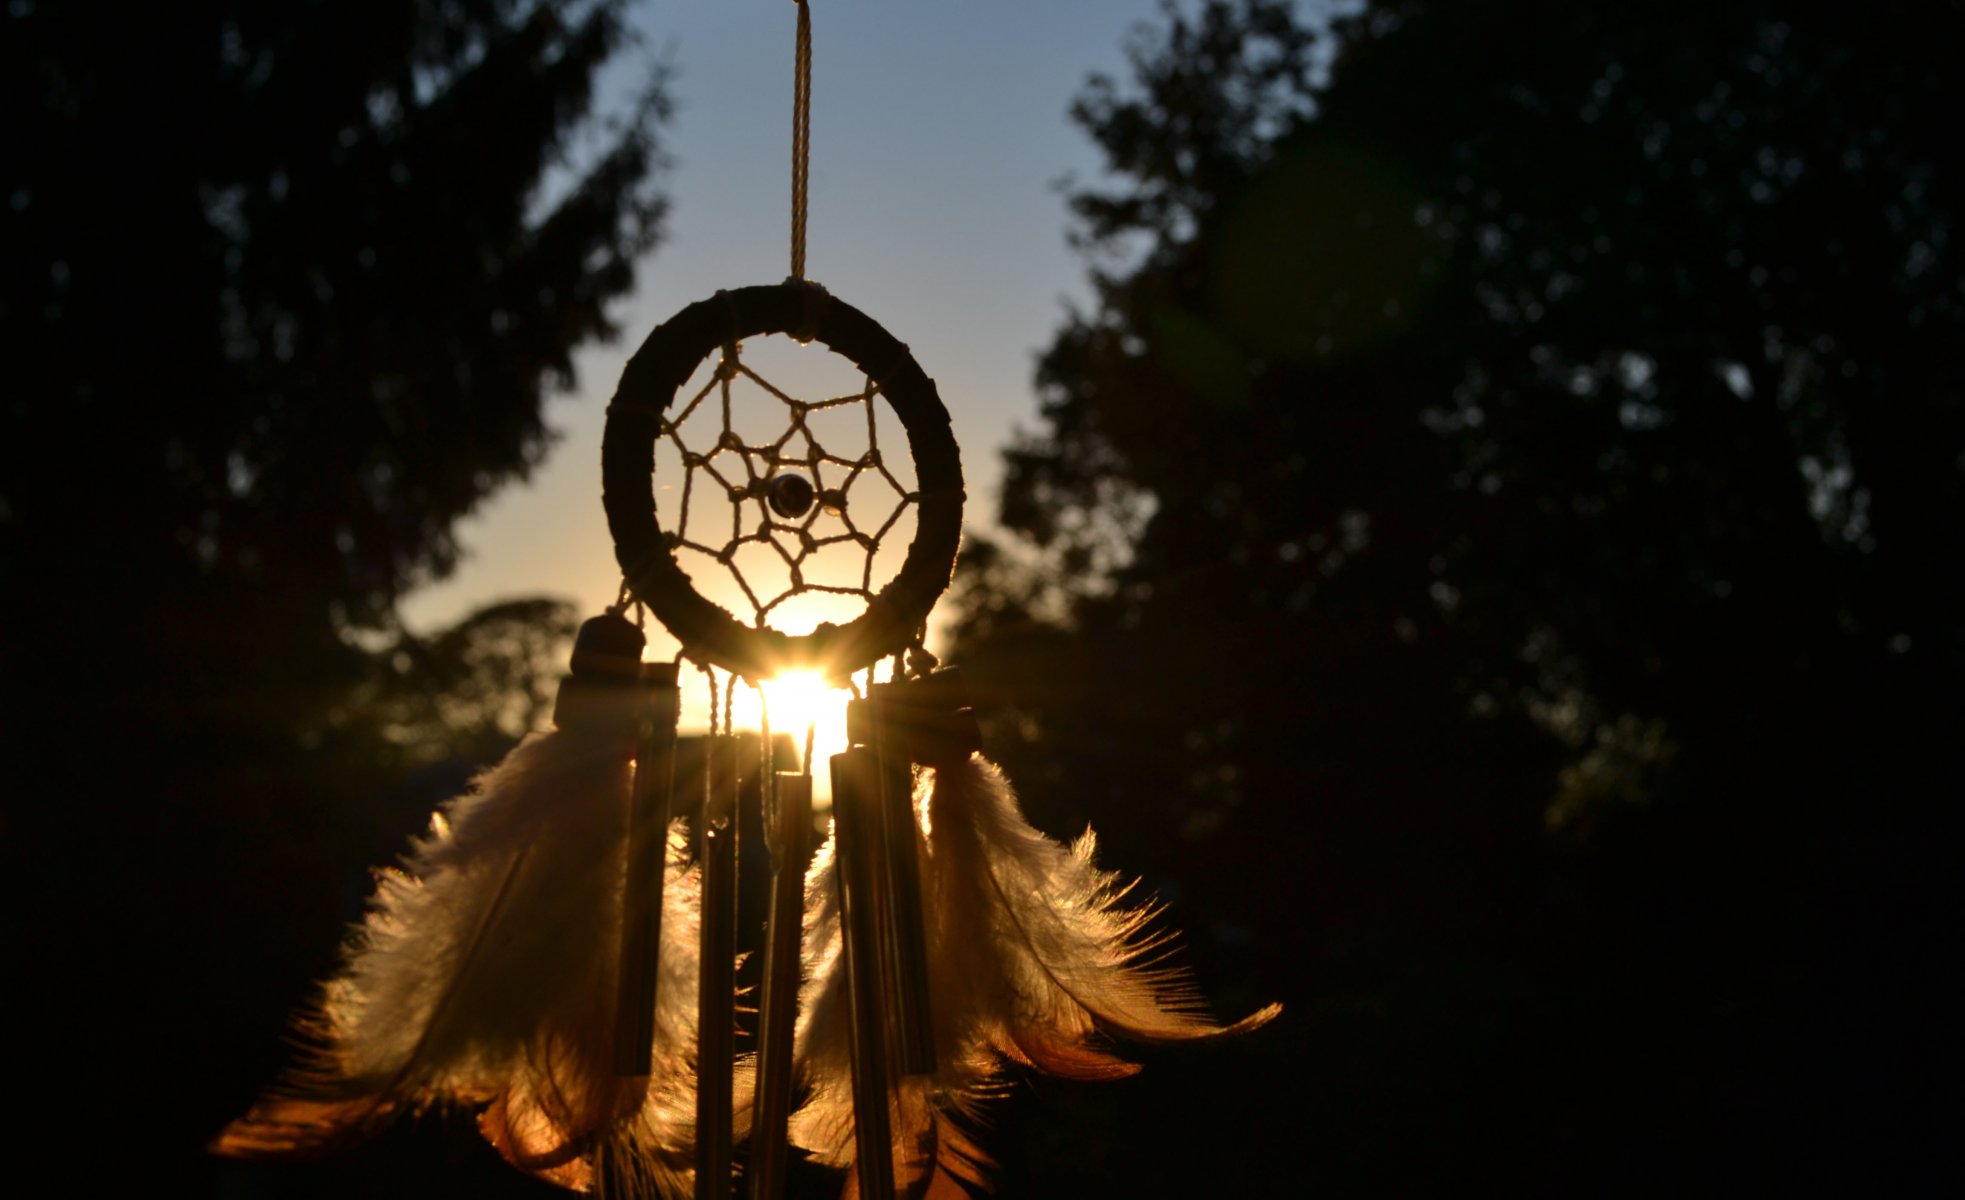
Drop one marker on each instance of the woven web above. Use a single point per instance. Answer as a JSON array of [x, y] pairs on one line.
[[728, 482]]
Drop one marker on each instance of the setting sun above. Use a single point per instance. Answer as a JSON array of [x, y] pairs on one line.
[[799, 700]]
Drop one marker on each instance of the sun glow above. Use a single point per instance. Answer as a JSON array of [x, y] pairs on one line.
[[798, 700]]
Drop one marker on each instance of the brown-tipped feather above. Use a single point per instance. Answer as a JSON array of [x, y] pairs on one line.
[[948, 1166], [1032, 959], [1066, 1060], [1038, 933], [485, 973], [526, 1150], [287, 1127]]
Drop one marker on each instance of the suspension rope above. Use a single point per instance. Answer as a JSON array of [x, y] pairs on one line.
[[801, 137]]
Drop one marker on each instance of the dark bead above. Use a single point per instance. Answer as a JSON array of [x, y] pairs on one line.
[[791, 496]]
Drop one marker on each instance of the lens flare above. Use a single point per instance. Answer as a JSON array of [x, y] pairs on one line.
[[798, 700]]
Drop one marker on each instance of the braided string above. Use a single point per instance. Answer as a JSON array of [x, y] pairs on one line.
[[842, 515], [801, 137]]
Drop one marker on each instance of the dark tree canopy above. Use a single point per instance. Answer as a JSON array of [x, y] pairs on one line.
[[286, 286], [1497, 524], [286, 282]]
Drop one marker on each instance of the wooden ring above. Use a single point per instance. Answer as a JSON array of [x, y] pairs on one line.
[[649, 384]]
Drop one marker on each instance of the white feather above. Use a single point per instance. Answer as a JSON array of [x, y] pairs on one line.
[[485, 972], [1031, 956], [823, 1125]]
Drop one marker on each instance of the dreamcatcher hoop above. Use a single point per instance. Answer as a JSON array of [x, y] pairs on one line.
[[636, 421]]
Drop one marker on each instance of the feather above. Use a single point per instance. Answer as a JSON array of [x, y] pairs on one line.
[[1037, 951], [1032, 956], [485, 972], [933, 1158], [822, 1050]]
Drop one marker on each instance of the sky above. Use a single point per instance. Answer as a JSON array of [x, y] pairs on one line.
[[939, 137]]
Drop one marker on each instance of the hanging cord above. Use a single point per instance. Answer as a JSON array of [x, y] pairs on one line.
[[801, 137]]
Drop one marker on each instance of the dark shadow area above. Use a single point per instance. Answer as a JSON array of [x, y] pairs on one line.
[[1489, 558], [285, 286]]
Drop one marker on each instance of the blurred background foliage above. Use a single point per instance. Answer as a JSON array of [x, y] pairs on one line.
[[1490, 555], [286, 287], [467, 692], [1488, 558]]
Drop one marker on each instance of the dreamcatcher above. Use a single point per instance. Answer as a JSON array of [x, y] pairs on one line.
[[559, 952]]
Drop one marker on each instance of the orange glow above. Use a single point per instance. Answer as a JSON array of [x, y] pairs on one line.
[[799, 699]]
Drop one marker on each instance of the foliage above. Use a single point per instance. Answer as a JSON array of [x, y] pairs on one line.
[[313, 266], [468, 692], [1625, 369], [1537, 427], [286, 286]]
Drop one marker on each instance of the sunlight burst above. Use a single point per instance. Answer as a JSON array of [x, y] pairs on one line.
[[797, 700]]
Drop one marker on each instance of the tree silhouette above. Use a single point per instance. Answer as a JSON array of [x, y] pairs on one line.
[[285, 288], [1493, 526]]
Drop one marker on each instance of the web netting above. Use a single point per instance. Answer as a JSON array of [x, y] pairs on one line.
[[792, 500]]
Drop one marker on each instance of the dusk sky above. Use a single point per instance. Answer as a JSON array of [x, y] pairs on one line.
[[939, 132]]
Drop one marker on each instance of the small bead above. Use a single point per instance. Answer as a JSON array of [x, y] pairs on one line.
[[790, 496]]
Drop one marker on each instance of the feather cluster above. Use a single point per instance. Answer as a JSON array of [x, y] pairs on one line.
[[1032, 956], [485, 974]]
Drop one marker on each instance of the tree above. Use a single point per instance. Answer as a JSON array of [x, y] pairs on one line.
[[469, 692], [1509, 464], [285, 288], [296, 278]]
